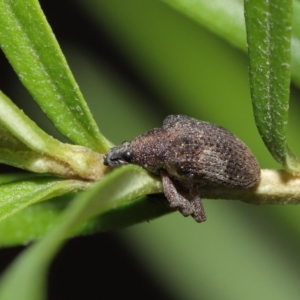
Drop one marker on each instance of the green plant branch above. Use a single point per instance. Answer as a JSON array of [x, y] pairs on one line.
[[275, 187], [132, 182]]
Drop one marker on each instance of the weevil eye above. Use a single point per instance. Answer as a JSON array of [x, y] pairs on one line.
[[127, 156]]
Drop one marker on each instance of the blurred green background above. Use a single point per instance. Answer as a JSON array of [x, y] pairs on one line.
[[136, 62]]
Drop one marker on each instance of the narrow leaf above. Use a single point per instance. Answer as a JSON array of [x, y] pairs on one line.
[[29, 44], [17, 195], [269, 25]]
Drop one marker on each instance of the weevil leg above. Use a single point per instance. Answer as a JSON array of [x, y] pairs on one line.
[[175, 199], [191, 206], [198, 208]]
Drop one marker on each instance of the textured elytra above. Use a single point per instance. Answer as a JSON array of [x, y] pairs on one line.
[[188, 152]]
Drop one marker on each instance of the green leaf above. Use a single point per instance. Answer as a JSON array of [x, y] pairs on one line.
[[29, 44], [17, 195], [296, 43], [269, 25], [116, 189], [222, 17], [226, 19], [23, 144]]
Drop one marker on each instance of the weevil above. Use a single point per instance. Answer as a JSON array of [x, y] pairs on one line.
[[189, 153]]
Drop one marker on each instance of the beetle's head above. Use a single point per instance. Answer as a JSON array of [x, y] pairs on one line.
[[119, 155]]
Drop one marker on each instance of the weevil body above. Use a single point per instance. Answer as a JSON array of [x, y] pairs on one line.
[[191, 153]]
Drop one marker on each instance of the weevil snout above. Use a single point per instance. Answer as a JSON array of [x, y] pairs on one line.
[[117, 156]]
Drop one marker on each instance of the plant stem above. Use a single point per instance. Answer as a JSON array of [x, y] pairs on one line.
[[275, 187]]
